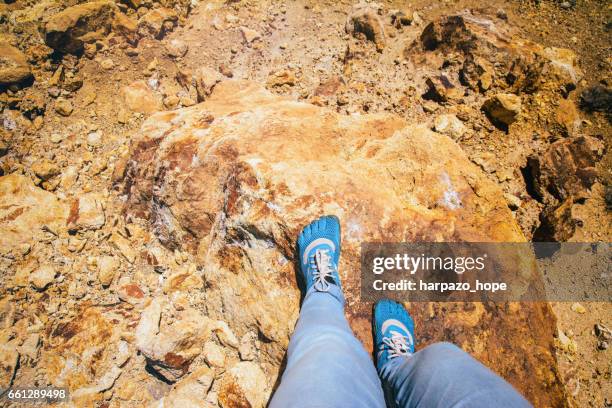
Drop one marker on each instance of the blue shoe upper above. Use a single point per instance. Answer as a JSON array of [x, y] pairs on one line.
[[393, 332], [319, 251]]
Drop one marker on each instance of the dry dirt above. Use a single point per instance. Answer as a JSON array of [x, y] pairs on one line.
[[299, 50]]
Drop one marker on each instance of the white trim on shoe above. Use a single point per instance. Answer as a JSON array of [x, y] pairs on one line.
[[315, 243], [397, 323]]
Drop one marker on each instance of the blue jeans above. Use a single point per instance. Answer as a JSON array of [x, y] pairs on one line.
[[328, 367]]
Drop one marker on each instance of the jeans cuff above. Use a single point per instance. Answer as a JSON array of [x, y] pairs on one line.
[[334, 291]]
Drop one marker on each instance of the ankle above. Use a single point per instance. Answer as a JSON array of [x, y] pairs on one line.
[[334, 291]]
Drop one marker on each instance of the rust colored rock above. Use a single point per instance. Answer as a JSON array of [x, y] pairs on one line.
[[81, 353], [365, 20], [156, 23], [282, 77], [139, 97], [441, 88], [243, 385], [235, 178], [126, 26], [68, 30], [477, 73], [567, 168], [567, 120], [24, 210], [170, 348], [526, 66], [14, 66], [503, 109], [557, 223]]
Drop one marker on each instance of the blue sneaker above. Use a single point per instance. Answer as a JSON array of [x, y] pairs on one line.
[[393, 332], [319, 250]]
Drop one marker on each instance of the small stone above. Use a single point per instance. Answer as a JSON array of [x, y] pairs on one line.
[[90, 50], [430, 106], [63, 107], [45, 169], [501, 14], [578, 308], [282, 77], [230, 18], [187, 101], [247, 348], [72, 84], [54, 91], [86, 213], [176, 48], [70, 175], [249, 35], [42, 277], [602, 332], [226, 70], [442, 89], [107, 64], [566, 118], [3, 148], [514, 203], [107, 269], [130, 292], [56, 138], [94, 139], [139, 97], [157, 22], [244, 384], [205, 80], [124, 247], [449, 125], [89, 97], [364, 20], [189, 392], [152, 67], [171, 102], [69, 30], [503, 108], [170, 348], [225, 334], [76, 244], [214, 355], [14, 66], [98, 166], [401, 18], [565, 343], [123, 116]]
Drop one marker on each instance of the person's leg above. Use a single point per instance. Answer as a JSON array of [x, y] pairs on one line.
[[441, 375], [326, 365]]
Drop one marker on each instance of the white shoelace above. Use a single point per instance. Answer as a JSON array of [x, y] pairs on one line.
[[323, 269], [397, 345]]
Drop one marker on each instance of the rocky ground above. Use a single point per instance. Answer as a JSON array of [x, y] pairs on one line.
[[133, 244]]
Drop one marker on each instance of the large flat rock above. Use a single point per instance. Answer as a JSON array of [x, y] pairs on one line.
[[234, 179]]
